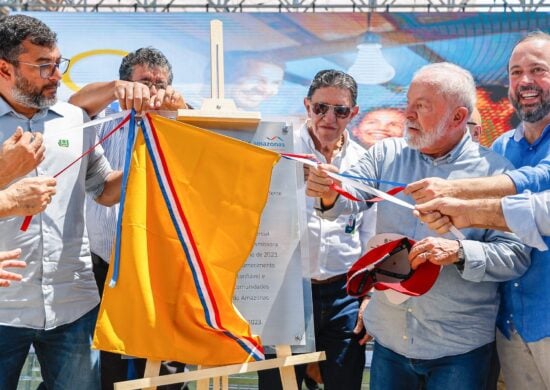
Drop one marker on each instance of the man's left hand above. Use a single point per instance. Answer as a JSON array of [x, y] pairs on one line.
[[360, 325], [167, 99], [440, 251], [8, 259]]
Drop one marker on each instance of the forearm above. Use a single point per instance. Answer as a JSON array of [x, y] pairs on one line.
[[483, 187], [94, 97], [8, 205], [486, 214], [5, 178], [111, 189]]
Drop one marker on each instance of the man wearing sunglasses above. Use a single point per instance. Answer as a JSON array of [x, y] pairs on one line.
[[445, 337], [54, 306], [331, 104]]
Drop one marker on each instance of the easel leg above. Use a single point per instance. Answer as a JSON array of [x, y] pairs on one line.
[[203, 384], [288, 375], [152, 368], [218, 382]]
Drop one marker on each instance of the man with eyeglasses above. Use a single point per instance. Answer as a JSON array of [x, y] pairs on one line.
[[54, 306], [523, 336], [443, 339], [145, 84], [474, 125], [331, 104]]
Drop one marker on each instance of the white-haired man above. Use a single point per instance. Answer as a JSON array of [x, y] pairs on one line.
[[445, 337], [523, 337]]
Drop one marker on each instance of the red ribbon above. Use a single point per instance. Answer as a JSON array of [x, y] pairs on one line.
[[28, 218], [339, 189]]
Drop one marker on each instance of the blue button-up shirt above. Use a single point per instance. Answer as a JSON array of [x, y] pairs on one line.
[[526, 301], [58, 285], [458, 314]]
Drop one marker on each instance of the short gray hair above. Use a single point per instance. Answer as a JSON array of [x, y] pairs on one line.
[[148, 57], [334, 78], [452, 81], [14, 29]]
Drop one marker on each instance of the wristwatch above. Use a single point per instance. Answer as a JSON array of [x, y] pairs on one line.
[[461, 258]]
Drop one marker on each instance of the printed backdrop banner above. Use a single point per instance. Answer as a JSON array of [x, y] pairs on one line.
[[270, 58], [191, 215]]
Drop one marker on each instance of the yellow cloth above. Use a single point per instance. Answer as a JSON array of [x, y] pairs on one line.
[[159, 306]]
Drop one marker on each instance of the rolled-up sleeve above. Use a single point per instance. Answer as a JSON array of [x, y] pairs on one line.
[[528, 215], [534, 179], [97, 171]]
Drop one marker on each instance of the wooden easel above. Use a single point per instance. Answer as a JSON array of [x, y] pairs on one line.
[[220, 374], [220, 113]]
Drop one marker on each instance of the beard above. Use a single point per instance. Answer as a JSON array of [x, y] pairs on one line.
[[426, 139], [25, 93], [532, 113]]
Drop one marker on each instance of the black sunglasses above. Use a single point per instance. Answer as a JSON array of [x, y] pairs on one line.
[[341, 112], [392, 268]]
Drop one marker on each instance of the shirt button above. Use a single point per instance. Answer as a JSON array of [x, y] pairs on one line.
[[516, 284], [405, 337], [410, 310], [507, 321]]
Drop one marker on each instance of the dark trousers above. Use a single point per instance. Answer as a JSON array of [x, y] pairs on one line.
[[335, 316], [467, 371], [117, 368]]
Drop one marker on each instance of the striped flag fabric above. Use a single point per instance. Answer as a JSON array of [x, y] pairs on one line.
[[189, 218]]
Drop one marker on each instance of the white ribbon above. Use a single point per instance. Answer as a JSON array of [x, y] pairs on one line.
[[371, 190]]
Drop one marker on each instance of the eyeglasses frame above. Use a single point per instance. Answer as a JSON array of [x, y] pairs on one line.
[[56, 65]]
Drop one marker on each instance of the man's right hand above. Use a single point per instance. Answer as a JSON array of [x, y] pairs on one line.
[[319, 184], [359, 326], [20, 154], [27, 196], [7, 260], [441, 214]]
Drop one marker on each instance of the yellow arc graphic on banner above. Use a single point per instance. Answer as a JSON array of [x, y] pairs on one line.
[[90, 53]]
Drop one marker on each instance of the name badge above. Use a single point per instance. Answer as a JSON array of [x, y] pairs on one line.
[[350, 226]]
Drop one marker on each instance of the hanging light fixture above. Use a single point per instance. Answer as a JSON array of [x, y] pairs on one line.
[[370, 66]]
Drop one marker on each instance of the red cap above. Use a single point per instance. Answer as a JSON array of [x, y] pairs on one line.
[[387, 267]]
